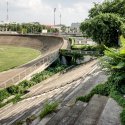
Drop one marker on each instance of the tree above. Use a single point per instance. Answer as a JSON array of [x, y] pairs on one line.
[[104, 28], [106, 22], [108, 6]]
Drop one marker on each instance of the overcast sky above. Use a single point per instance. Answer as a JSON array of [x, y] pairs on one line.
[[42, 10]]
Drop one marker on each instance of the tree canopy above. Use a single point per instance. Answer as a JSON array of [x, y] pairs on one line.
[[106, 22], [108, 6]]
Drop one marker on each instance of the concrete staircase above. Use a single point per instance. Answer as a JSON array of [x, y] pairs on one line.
[[100, 110], [65, 94]]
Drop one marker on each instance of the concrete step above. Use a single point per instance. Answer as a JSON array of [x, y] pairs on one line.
[[92, 112], [73, 114], [110, 114], [58, 117]]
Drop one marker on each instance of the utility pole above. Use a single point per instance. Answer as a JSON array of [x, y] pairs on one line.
[[54, 15]]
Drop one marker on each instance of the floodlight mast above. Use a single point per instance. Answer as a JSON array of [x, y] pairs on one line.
[[7, 11], [54, 15]]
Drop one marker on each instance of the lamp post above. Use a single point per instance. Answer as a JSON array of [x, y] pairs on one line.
[[60, 18], [54, 15]]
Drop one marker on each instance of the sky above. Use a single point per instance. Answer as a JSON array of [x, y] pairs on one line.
[[72, 11]]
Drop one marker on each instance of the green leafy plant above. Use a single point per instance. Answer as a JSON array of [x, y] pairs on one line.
[[48, 108]]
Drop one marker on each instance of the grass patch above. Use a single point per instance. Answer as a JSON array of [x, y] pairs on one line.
[[11, 56], [48, 108]]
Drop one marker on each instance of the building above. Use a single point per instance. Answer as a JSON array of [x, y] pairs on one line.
[[75, 27]]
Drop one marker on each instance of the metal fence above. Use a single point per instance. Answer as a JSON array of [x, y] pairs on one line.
[[28, 72]]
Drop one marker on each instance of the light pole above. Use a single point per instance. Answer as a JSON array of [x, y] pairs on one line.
[[7, 12], [60, 18], [54, 15]]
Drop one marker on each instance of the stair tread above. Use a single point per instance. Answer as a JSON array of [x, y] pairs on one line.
[[93, 110], [73, 114], [55, 120], [110, 114]]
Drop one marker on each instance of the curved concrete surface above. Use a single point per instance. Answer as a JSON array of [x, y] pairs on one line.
[[38, 42], [45, 44]]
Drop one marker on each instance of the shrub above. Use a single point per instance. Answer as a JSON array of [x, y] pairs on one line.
[[48, 108], [15, 89], [99, 48], [48, 72], [17, 98], [26, 84], [3, 94]]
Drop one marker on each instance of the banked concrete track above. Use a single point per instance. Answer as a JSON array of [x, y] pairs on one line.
[[46, 44]]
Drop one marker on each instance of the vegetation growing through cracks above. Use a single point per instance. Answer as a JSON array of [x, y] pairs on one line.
[[48, 108], [21, 88]]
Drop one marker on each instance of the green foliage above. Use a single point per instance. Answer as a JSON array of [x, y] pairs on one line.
[[88, 47], [26, 84], [48, 108], [122, 116], [103, 28], [72, 40], [3, 94], [21, 88], [47, 73], [13, 90], [108, 6], [102, 89], [106, 22], [17, 98], [114, 60]]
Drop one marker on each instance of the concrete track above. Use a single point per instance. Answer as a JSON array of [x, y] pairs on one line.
[[45, 44]]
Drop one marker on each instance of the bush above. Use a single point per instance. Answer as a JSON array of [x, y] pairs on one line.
[[17, 98], [26, 84], [55, 68], [48, 108], [15, 89], [99, 48], [3, 94]]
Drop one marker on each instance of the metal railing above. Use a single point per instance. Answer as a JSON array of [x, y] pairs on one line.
[[28, 72]]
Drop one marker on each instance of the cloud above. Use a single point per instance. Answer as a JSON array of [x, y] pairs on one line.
[[42, 10]]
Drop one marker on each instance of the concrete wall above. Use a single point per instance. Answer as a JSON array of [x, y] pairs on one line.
[[39, 42]]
